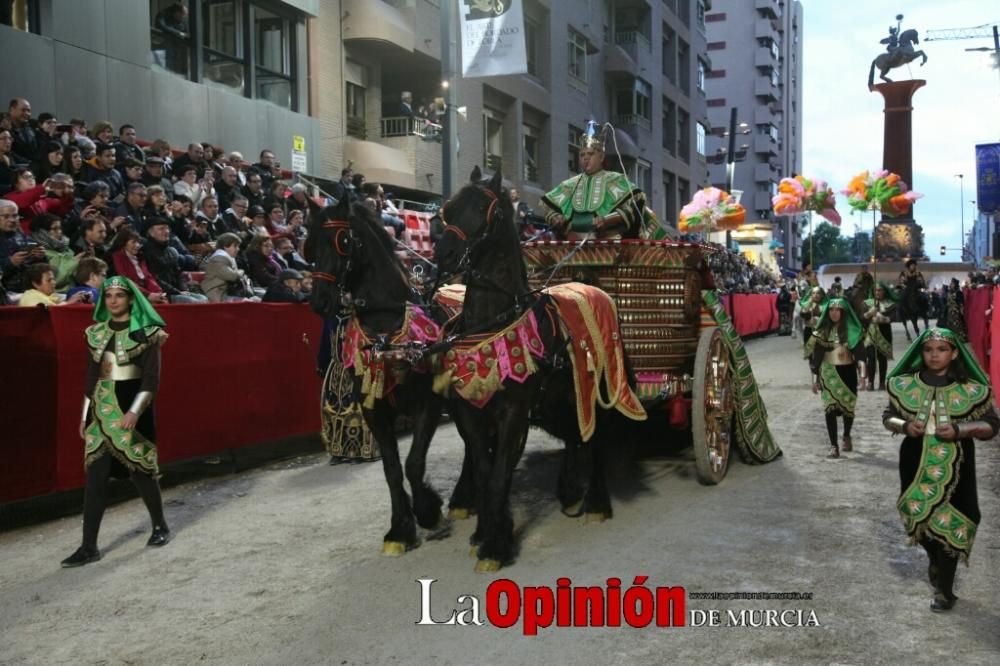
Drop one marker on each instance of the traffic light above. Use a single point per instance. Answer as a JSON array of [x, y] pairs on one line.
[[942, 250]]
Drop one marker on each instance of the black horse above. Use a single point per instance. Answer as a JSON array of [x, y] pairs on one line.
[[913, 302], [481, 242], [358, 268]]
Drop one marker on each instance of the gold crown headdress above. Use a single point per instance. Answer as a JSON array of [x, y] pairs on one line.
[[593, 137]]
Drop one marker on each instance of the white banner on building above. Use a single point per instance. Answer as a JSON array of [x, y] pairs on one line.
[[492, 37]]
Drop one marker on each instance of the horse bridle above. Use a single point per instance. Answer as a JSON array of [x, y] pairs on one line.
[[344, 244], [494, 216]]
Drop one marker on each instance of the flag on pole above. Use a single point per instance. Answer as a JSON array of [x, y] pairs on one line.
[[492, 37]]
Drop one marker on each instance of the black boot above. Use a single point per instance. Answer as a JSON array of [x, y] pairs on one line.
[[159, 537], [83, 555], [944, 595]]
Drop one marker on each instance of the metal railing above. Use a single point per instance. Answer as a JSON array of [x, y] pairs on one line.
[[396, 126]]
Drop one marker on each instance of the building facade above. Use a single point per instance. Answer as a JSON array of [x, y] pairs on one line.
[[239, 79], [634, 63], [755, 47]]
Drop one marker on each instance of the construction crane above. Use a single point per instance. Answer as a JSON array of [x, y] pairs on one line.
[[985, 30]]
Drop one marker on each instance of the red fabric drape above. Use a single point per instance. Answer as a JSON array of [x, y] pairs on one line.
[[754, 314], [234, 374], [977, 301], [994, 332]]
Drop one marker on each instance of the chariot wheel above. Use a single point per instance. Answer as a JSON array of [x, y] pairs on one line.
[[712, 408]]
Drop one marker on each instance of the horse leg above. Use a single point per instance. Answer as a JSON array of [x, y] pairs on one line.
[[568, 488], [497, 522], [916, 324], [597, 502], [463, 499], [474, 428], [906, 329], [402, 534], [426, 502]]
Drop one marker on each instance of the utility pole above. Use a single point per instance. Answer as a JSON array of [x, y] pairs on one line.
[[961, 190], [731, 165], [449, 83]]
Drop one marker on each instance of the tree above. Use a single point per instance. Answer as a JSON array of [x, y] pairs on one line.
[[828, 246], [861, 246]]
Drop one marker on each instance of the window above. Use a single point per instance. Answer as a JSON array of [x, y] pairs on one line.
[[669, 126], [683, 191], [529, 147], [244, 46], [633, 105], [702, 67], [21, 15], [683, 135], [669, 54], [577, 56], [768, 130], [355, 96], [671, 209], [700, 14], [642, 176], [684, 66], [531, 45], [700, 133], [492, 139], [574, 149]]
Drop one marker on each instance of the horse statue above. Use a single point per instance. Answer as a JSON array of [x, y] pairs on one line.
[[516, 355], [360, 278], [900, 52], [913, 302]]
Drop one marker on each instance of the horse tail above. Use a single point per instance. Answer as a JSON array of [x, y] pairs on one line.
[[871, 75]]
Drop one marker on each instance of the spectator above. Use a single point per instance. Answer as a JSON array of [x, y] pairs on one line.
[[189, 186], [286, 289], [104, 132], [156, 202], [17, 251], [344, 188], [296, 227], [253, 191], [46, 133], [90, 275], [275, 195], [276, 225], [264, 270], [234, 218], [8, 163], [102, 168], [131, 171], [93, 202], [133, 208], [127, 262], [126, 147], [217, 161], [405, 105], [195, 156], [375, 197], [358, 181], [93, 235], [54, 196], [152, 174], [164, 264], [181, 218], [52, 161], [297, 200], [223, 280], [43, 289], [227, 187], [78, 137], [268, 168], [286, 256], [73, 163], [199, 242], [161, 148], [172, 22], [46, 230], [25, 140], [209, 214], [236, 161], [258, 222]]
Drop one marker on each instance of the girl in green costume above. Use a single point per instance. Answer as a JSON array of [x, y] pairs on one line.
[[878, 333], [810, 308], [940, 399], [837, 353], [117, 426]]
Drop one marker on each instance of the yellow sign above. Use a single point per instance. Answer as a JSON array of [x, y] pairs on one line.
[[298, 143]]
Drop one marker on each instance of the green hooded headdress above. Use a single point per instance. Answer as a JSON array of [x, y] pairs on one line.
[[142, 315], [855, 330], [890, 294], [809, 293], [913, 359]]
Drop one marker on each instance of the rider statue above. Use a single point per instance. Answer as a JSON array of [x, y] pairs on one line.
[[892, 41], [898, 52], [598, 202]]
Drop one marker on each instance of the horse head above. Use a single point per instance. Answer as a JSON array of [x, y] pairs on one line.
[[478, 217]]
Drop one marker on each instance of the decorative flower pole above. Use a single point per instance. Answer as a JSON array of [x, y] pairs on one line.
[[881, 191], [800, 194], [711, 209]]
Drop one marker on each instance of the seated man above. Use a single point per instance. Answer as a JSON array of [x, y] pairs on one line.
[[43, 289], [17, 250], [90, 274], [165, 264], [598, 202], [287, 289]]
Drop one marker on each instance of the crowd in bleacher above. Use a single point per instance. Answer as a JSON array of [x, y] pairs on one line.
[[735, 273], [78, 204]]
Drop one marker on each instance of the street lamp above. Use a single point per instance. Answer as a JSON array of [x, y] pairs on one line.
[[961, 200]]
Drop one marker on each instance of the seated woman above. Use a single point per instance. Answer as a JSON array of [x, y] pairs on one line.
[[223, 280], [43, 289], [52, 163], [127, 262], [264, 270], [47, 231]]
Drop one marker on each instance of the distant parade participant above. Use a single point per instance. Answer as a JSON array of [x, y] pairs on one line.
[[940, 399], [837, 354], [810, 308], [807, 279], [953, 310], [599, 202], [117, 425], [878, 333]]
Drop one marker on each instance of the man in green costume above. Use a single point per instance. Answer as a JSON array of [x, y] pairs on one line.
[[598, 202]]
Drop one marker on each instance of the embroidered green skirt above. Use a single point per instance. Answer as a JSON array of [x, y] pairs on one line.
[[134, 449], [839, 388]]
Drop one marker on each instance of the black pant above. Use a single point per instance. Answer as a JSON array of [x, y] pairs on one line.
[[874, 357], [95, 497]]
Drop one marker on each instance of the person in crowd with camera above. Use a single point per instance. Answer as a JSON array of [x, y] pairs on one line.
[[90, 275], [92, 239], [189, 185], [117, 423], [133, 208], [128, 262], [46, 230], [17, 250], [93, 202], [286, 256], [54, 196], [164, 264], [268, 168], [43, 289], [224, 281]]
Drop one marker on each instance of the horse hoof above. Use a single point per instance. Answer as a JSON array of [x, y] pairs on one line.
[[595, 517], [474, 551], [573, 510], [393, 548], [487, 566], [458, 513]]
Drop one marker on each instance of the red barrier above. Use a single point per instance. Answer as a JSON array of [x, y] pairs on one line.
[[234, 375], [994, 359], [754, 314], [977, 301]]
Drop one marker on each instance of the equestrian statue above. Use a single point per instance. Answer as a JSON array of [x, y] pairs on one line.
[[899, 51]]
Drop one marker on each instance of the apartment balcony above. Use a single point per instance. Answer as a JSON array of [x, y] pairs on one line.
[[633, 121], [764, 57], [762, 87], [763, 115], [761, 201], [763, 145], [404, 152], [378, 22], [769, 6], [617, 62], [765, 28], [763, 173]]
